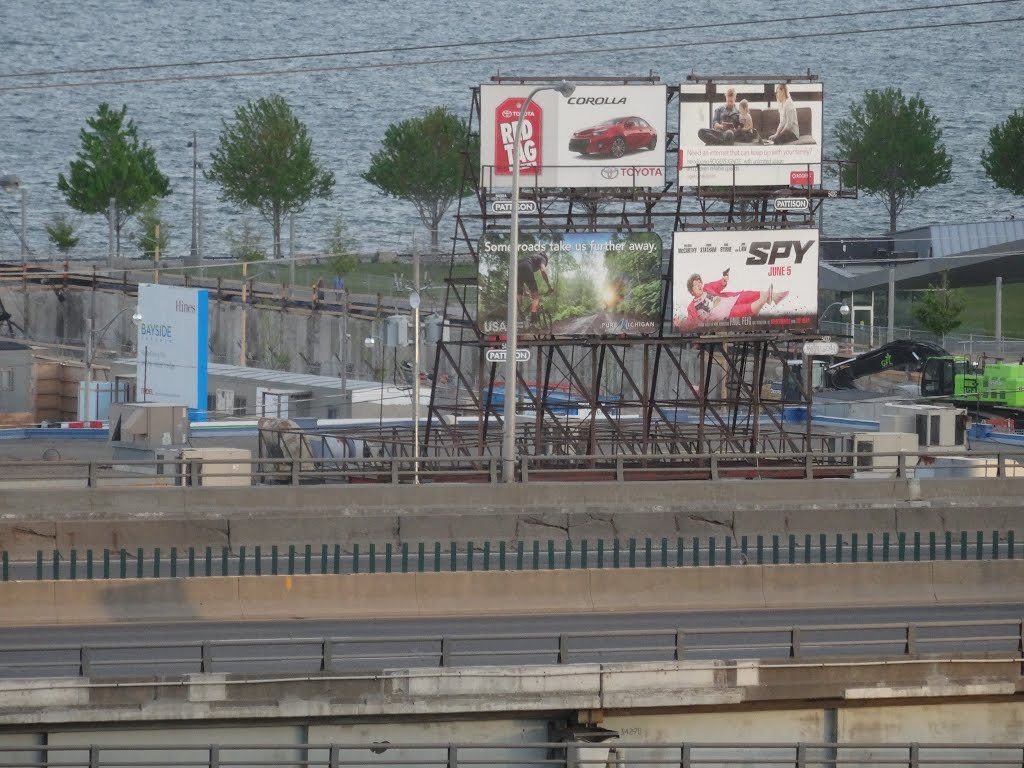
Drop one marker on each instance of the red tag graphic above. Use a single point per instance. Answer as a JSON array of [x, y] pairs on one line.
[[505, 116]]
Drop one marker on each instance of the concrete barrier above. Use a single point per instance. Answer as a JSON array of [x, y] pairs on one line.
[[506, 593]]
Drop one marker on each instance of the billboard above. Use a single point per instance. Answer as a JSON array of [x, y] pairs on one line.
[[172, 349], [600, 136], [573, 284], [747, 280], [750, 134]]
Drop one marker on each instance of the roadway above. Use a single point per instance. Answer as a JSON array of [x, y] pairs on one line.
[[294, 647]]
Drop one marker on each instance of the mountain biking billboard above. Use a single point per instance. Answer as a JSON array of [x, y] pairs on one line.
[[600, 136], [750, 134], [745, 280], [573, 284]]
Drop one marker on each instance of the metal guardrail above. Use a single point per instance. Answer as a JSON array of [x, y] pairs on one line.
[[453, 557], [579, 754], [485, 469], [372, 654]]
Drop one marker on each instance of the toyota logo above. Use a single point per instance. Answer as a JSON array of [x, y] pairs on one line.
[[610, 173]]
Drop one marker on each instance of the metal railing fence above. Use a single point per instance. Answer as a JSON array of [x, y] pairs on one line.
[[521, 555], [372, 654], [521, 755]]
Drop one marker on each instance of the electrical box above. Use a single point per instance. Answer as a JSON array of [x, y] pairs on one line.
[[149, 426], [396, 331]]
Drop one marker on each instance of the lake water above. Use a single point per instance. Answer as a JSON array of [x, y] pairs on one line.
[[969, 75]]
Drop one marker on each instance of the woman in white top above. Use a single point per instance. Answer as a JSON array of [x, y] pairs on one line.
[[789, 128]]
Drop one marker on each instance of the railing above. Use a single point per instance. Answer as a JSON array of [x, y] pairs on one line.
[[579, 754], [372, 654], [485, 469], [453, 556]]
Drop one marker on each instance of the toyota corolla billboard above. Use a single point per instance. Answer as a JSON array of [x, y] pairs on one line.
[[573, 284], [172, 346], [747, 280], [600, 136], [750, 134]]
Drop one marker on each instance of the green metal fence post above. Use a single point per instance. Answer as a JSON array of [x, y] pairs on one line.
[[551, 554], [632, 553], [405, 557], [807, 548], [241, 560], [387, 557], [728, 550], [324, 557], [696, 551], [437, 557], [106, 563], [337, 559], [1009, 545], [839, 547], [140, 562], [647, 552], [792, 549], [421, 557], [273, 559], [775, 549], [56, 565], [963, 545], [949, 545], [470, 555], [760, 549], [536, 555], [917, 546], [174, 562], [124, 563], [355, 558], [995, 545], [6, 567], [372, 558], [901, 546], [664, 552], [980, 546], [680, 552], [568, 554], [520, 546], [615, 553], [885, 547], [291, 559], [39, 565], [257, 559], [308, 559], [854, 545], [932, 545], [743, 549], [583, 554], [711, 550], [501, 555], [600, 553], [453, 553], [822, 548], [870, 547], [73, 566], [156, 563], [191, 561]]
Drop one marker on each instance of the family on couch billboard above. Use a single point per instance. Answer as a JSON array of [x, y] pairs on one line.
[[750, 134]]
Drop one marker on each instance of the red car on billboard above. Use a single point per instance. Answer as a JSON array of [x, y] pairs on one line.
[[615, 137]]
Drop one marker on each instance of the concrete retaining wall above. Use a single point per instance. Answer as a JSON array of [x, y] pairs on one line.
[[165, 517], [502, 593]]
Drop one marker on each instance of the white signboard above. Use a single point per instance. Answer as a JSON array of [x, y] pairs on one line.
[[501, 355], [821, 348], [744, 280], [736, 133], [600, 136], [172, 348]]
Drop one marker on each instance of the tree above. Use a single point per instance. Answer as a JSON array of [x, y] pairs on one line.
[[61, 233], [1004, 159], [155, 233], [113, 163], [897, 145], [940, 308], [423, 160], [245, 245], [340, 258], [264, 160]]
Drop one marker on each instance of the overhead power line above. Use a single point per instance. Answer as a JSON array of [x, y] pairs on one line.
[[492, 57]]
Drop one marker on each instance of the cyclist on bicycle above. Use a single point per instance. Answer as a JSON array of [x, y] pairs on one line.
[[528, 280]]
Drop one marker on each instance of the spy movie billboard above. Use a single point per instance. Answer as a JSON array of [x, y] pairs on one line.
[[172, 345], [571, 284], [750, 280], [750, 134], [600, 136]]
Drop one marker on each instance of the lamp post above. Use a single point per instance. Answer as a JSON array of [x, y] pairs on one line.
[[194, 251], [508, 447], [414, 302], [91, 338], [844, 310]]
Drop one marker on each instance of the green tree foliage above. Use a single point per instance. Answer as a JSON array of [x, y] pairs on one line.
[[897, 145], [113, 163], [340, 258], [61, 232], [940, 309], [1003, 160], [154, 234], [423, 160], [245, 245], [264, 160]]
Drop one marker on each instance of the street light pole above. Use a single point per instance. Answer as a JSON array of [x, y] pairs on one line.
[[194, 252], [508, 447]]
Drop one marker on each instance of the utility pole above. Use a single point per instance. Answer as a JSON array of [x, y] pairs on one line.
[[291, 249], [194, 253], [111, 234], [24, 229]]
